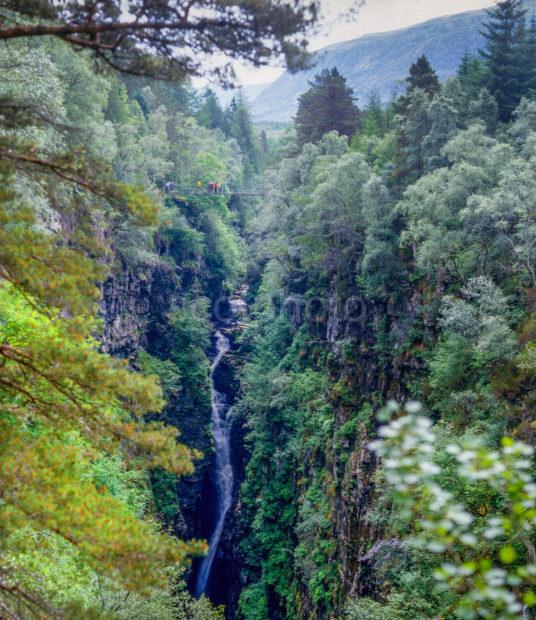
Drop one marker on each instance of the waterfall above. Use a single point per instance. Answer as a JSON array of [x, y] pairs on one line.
[[224, 470]]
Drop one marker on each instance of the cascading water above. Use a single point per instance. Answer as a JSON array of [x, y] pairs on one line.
[[224, 470]]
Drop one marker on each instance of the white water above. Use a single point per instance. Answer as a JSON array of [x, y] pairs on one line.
[[224, 470]]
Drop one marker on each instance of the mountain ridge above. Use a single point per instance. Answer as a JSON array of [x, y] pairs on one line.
[[379, 61]]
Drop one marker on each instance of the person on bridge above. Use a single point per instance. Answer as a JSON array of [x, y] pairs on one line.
[[169, 187]]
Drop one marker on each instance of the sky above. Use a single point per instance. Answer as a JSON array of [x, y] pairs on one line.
[[373, 16]]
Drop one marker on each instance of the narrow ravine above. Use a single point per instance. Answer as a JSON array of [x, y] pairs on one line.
[[224, 477]]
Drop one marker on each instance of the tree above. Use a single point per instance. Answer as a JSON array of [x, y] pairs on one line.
[[64, 403], [230, 113], [530, 58], [485, 108], [505, 35], [327, 106], [486, 560], [167, 39], [118, 105], [334, 222], [414, 128], [422, 75], [242, 130], [380, 267], [265, 147], [211, 114], [442, 119], [473, 76]]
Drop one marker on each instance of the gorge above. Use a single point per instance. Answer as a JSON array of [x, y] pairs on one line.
[[254, 372]]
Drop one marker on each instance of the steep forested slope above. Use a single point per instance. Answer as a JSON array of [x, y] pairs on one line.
[[399, 266], [160, 264]]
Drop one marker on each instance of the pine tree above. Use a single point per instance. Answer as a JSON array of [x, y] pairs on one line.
[[423, 76], [473, 74], [230, 114], [118, 105], [165, 39], [505, 36], [327, 106], [530, 58], [264, 144], [242, 130], [264, 149], [211, 114], [414, 132], [485, 108], [374, 121], [442, 119]]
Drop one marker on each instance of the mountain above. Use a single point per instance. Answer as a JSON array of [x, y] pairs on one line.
[[250, 91], [379, 61]]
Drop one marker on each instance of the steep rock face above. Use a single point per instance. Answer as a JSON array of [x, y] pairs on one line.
[[134, 300], [372, 373], [136, 307]]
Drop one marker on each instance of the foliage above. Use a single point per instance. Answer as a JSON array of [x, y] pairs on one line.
[[495, 580], [327, 106], [83, 160], [398, 265], [146, 39], [504, 34], [422, 75]]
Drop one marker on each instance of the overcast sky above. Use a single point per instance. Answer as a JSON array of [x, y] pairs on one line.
[[373, 16]]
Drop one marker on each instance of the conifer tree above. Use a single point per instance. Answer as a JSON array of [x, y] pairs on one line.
[[242, 130], [473, 74], [118, 108], [505, 36], [211, 114], [168, 39], [327, 106], [375, 111], [230, 114], [485, 108], [264, 143], [63, 403], [530, 58], [423, 76]]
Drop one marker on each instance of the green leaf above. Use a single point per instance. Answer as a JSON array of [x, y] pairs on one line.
[[507, 554]]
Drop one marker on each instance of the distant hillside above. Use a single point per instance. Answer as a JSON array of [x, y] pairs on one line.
[[250, 91], [379, 61]]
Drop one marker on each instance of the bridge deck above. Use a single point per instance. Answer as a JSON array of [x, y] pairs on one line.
[[204, 191]]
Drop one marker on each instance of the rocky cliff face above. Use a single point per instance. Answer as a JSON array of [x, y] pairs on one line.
[[136, 301], [225, 585], [137, 305], [353, 330], [137, 308]]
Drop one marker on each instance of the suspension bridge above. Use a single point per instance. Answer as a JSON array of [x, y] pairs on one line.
[[182, 191]]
